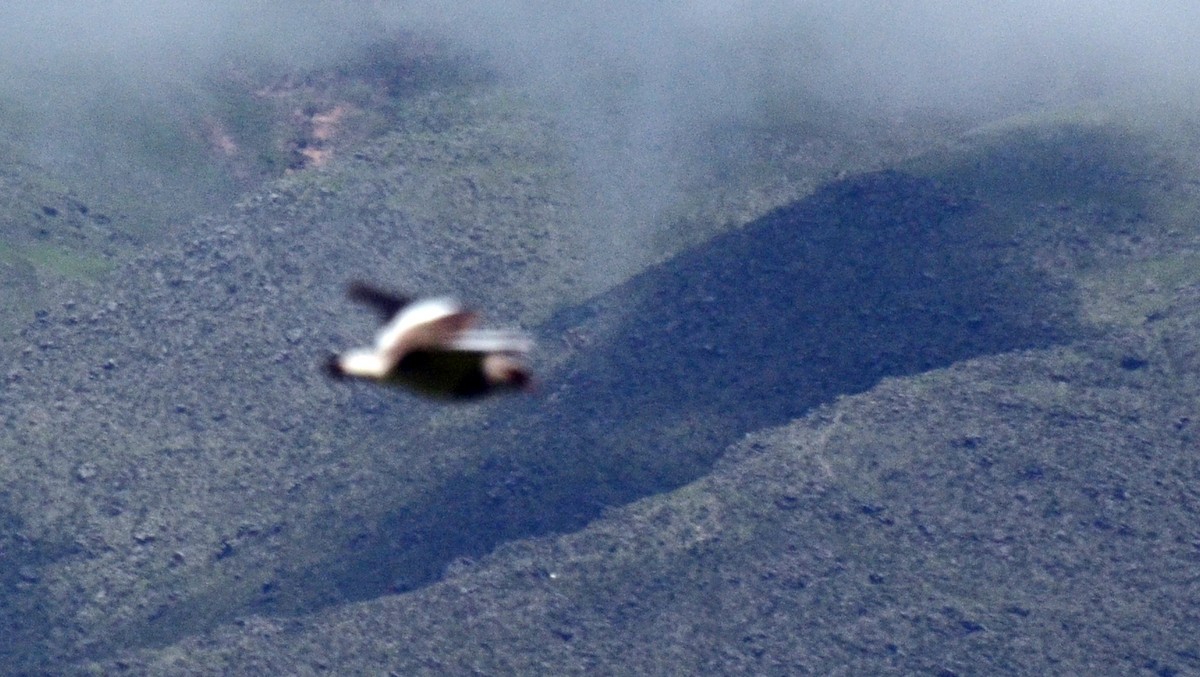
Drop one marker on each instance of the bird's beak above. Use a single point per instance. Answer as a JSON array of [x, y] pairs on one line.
[[333, 367]]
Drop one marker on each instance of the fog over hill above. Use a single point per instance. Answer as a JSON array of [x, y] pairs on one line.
[[633, 86]]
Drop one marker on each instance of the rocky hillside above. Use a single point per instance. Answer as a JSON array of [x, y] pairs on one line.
[[914, 416], [1025, 513], [1012, 490]]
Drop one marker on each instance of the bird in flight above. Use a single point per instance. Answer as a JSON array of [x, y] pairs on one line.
[[433, 347]]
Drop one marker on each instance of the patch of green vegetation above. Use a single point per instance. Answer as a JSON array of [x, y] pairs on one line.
[[67, 263], [56, 260]]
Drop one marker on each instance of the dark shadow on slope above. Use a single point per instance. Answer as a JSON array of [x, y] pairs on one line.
[[880, 275], [26, 633]]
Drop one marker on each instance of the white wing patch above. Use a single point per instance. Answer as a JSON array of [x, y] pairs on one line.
[[412, 318]]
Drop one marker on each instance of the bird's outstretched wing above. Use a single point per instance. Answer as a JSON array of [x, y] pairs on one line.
[[507, 341], [431, 324], [385, 303]]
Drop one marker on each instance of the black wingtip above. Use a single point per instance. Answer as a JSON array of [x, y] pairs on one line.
[[386, 303]]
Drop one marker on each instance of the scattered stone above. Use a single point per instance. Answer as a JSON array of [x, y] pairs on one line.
[[85, 472], [1133, 363]]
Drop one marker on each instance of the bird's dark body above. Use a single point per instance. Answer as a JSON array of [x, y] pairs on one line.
[[453, 375]]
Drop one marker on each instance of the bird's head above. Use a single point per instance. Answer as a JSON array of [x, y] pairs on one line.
[[507, 372]]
